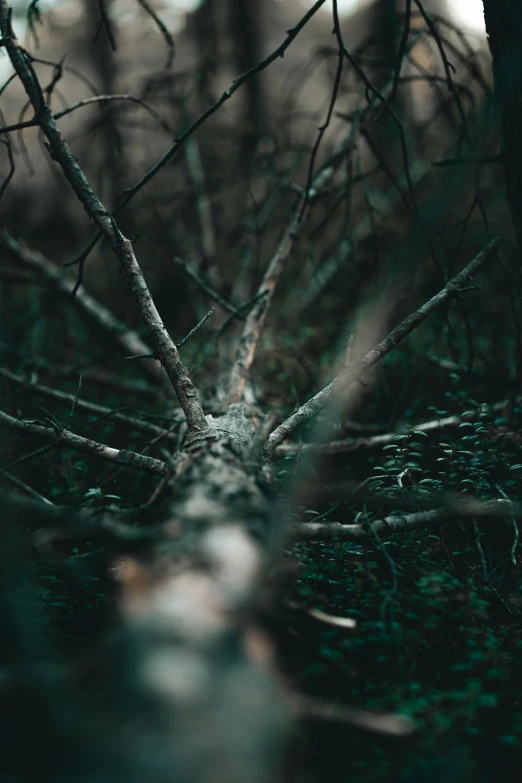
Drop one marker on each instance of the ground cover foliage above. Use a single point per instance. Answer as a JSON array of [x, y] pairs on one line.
[[437, 613], [387, 512]]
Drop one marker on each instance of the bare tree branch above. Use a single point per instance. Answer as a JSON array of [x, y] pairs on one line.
[[24, 487], [309, 288], [373, 721], [357, 371], [401, 523], [87, 102], [204, 285], [142, 425], [180, 141], [380, 439], [236, 84], [169, 40], [127, 458], [310, 531], [256, 318], [61, 153], [204, 204], [126, 337]]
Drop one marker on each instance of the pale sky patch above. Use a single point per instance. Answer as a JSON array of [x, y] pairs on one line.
[[469, 15]]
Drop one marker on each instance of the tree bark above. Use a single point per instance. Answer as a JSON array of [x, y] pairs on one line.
[[183, 690]]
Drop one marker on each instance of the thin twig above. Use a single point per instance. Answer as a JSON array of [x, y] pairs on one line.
[[468, 511], [482, 557], [169, 40], [105, 22], [196, 328], [322, 130], [371, 88], [236, 84], [402, 51], [9, 149], [204, 204], [179, 343], [24, 487], [205, 285], [114, 97]]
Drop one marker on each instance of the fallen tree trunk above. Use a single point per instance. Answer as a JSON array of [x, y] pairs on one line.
[[183, 690]]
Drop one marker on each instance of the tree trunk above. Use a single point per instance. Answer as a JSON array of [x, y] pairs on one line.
[[184, 690]]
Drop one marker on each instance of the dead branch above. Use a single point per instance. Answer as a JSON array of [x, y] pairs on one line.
[[310, 287], [381, 439], [204, 204], [188, 132], [256, 318], [101, 99], [357, 371], [126, 458], [142, 425], [402, 523], [309, 531], [169, 40], [306, 708], [61, 153], [468, 161], [236, 84], [124, 336], [204, 285], [26, 489]]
